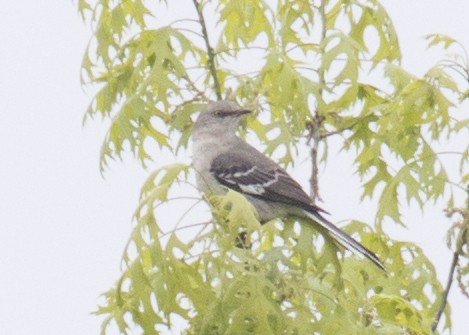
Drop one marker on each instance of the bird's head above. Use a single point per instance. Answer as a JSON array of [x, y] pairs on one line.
[[222, 116]]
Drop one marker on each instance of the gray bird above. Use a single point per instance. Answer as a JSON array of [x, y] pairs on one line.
[[223, 160]]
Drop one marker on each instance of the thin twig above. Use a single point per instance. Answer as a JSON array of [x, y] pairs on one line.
[[461, 240], [444, 301], [210, 53]]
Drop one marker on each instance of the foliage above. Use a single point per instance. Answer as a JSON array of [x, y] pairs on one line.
[[313, 78]]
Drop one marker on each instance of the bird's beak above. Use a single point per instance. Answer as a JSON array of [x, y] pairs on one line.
[[240, 112]]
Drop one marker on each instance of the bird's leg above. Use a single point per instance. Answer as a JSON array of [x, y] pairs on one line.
[[242, 241]]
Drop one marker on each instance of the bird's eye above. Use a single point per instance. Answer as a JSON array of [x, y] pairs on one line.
[[218, 113]]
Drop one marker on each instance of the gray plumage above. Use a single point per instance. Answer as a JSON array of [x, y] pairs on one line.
[[223, 160]]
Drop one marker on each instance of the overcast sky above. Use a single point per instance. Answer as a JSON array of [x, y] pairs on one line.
[[62, 226]]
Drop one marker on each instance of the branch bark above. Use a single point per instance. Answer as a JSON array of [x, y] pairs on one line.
[[461, 241], [449, 282], [314, 138], [315, 125], [210, 53]]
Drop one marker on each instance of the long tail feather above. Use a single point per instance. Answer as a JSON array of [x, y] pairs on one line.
[[345, 240]]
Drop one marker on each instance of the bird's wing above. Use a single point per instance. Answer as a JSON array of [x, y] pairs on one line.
[[259, 177]]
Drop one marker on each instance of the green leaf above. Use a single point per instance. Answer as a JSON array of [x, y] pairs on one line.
[[243, 21], [437, 39], [437, 73], [158, 183], [234, 208], [400, 312], [344, 51]]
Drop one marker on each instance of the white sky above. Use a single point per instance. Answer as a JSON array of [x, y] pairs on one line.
[[62, 226]]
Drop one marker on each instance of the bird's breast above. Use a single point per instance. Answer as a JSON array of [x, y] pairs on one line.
[[204, 152]]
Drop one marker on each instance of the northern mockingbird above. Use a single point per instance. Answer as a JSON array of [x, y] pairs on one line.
[[223, 160]]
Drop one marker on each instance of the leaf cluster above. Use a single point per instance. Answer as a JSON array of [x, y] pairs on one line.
[[278, 278], [307, 69]]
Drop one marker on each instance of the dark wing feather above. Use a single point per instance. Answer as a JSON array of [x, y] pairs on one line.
[[260, 178]]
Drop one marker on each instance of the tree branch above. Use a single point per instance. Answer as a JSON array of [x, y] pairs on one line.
[[449, 282], [314, 137], [461, 241], [210, 53], [315, 125]]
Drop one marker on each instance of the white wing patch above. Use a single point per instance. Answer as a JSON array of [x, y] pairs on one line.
[[252, 189], [272, 181], [244, 173]]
